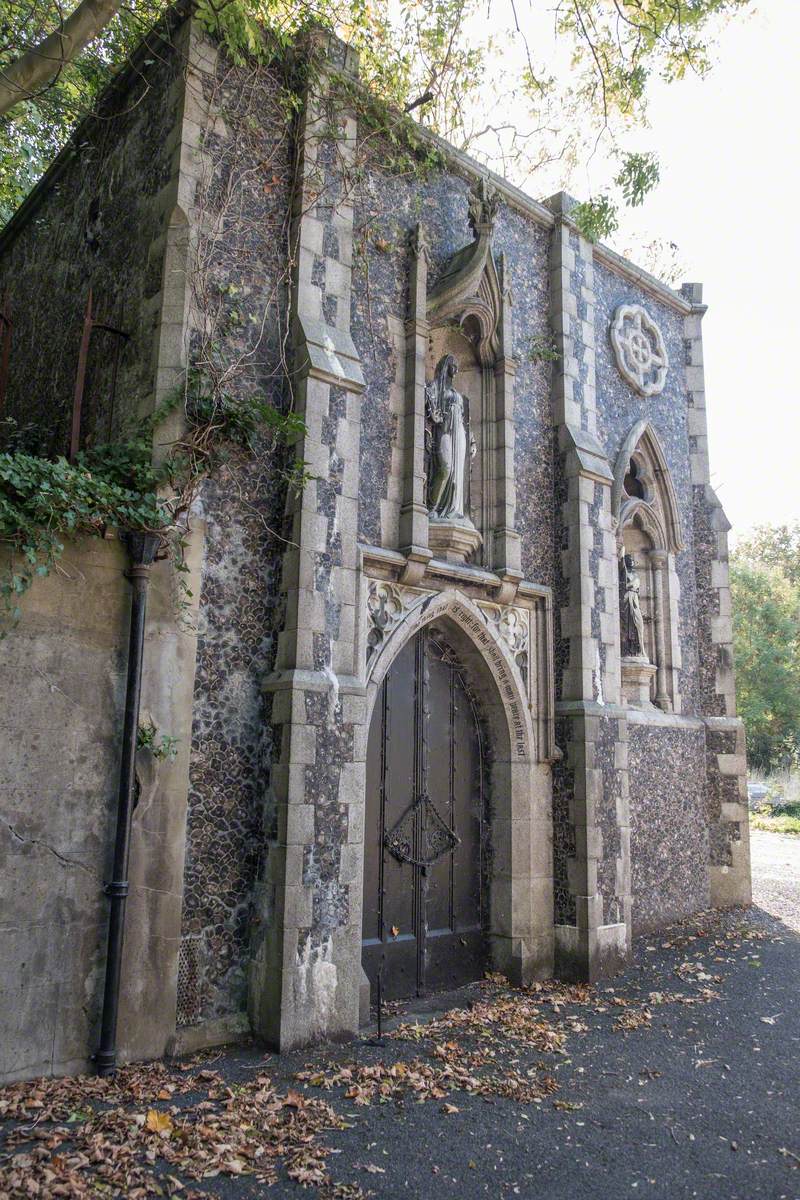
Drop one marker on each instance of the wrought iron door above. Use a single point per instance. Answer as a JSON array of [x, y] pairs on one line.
[[423, 925]]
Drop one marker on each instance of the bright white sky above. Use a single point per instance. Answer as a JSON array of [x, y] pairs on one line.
[[729, 148], [729, 197]]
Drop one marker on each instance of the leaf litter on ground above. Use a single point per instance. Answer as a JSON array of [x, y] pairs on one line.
[[131, 1148], [143, 1132]]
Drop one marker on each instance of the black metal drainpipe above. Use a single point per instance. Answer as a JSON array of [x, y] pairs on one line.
[[142, 549]]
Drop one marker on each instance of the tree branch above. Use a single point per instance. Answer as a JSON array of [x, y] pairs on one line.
[[37, 67]]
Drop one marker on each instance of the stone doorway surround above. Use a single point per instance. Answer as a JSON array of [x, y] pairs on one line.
[[503, 650]]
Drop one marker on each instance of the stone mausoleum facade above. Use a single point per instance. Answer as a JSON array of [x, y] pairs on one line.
[[466, 700]]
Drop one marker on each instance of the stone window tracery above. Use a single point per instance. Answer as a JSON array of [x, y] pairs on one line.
[[639, 349]]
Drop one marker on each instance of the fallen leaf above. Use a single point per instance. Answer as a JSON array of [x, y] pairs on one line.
[[158, 1122], [394, 931]]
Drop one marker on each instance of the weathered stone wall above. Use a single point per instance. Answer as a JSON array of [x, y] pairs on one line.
[[62, 692], [62, 685], [669, 830], [387, 206], [239, 274], [265, 902], [98, 222]]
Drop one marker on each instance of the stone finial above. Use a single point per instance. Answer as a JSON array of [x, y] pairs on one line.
[[420, 245], [484, 201]]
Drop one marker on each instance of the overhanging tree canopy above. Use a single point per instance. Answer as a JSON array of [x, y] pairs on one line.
[[494, 94]]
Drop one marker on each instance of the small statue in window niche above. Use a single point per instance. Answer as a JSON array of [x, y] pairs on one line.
[[452, 444], [632, 619]]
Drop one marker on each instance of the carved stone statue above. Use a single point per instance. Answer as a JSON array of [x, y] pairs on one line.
[[452, 444], [632, 619]]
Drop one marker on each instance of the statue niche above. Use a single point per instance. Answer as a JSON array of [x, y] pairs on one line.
[[644, 508], [459, 496], [631, 610], [638, 671]]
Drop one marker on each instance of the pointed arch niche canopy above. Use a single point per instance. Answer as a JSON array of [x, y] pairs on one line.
[[645, 509], [470, 292]]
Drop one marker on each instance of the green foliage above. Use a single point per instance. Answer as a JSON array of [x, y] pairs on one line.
[[639, 175], [43, 502], [777, 818], [766, 630], [596, 218], [33, 133], [163, 747], [774, 546], [446, 60], [542, 348]]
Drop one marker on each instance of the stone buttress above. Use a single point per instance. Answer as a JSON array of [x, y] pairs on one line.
[[591, 824], [306, 972], [726, 764]]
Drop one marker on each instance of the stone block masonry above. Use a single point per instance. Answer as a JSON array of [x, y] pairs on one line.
[[306, 975]]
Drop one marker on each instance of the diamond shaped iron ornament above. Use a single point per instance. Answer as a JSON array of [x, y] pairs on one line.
[[438, 838]]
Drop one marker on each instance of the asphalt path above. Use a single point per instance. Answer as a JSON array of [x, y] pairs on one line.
[[679, 1078], [702, 1102]]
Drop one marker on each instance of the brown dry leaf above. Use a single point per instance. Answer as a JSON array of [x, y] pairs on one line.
[[395, 932], [158, 1122], [450, 1109]]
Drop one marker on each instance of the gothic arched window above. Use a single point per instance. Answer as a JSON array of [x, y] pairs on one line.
[[645, 508]]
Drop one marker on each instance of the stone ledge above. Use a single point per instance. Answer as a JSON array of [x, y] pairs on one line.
[[188, 1039], [655, 716], [331, 354], [591, 456]]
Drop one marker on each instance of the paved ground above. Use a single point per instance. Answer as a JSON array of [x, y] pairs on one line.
[[682, 1079], [776, 874]]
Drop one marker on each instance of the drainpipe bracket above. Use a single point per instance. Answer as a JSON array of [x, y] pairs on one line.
[[117, 887]]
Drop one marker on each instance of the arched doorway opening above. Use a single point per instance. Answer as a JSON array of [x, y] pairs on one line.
[[425, 909]]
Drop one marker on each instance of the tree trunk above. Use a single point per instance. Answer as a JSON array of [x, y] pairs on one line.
[[39, 66]]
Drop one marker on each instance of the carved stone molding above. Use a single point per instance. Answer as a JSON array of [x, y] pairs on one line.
[[470, 285], [390, 603], [512, 624], [387, 605], [639, 349]]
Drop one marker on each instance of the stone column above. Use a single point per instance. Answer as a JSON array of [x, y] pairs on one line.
[[505, 548], [414, 511], [306, 965], [591, 821], [726, 765], [658, 561]]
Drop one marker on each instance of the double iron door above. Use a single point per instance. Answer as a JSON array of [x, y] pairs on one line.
[[424, 894]]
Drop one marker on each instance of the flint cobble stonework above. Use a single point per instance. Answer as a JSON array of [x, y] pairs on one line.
[[242, 274], [102, 225], [668, 824]]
